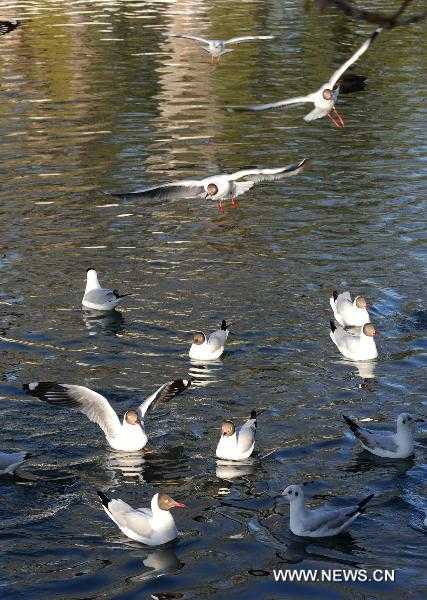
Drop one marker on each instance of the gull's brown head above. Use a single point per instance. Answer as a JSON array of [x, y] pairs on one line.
[[212, 190], [327, 94], [165, 502], [199, 338], [227, 428], [131, 417], [369, 330], [360, 302]]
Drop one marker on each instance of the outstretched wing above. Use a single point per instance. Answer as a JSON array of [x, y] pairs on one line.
[[190, 37], [280, 104], [333, 80], [168, 191], [165, 393], [248, 38], [90, 403], [256, 175]]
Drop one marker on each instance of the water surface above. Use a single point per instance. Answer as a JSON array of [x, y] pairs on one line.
[[96, 96]]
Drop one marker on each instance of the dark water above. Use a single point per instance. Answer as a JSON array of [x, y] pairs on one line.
[[95, 96]]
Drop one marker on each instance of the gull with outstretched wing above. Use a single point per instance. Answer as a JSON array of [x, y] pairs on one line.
[[216, 48], [128, 436], [215, 187], [324, 98]]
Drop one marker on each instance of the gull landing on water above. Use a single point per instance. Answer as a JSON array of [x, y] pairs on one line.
[[128, 436], [319, 522], [153, 526], [324, 98], [348, 313], [360, 346], [237, 445], [97, 297], [209, 347], [387, 444], [216, 48], [215, 187]]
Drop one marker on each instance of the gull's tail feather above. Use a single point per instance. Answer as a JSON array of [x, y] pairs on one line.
[[224, 325], [333, 326], [335, 295]]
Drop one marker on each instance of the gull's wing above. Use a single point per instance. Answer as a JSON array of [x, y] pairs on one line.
[[100, 296], [374, 440], [280, 104], [126, 517], [331, 519], [190, 37], [246, 435], [333, 80], [168, 191], [90, 403], [342, 300], [248, 38], [328, 519], [217, 339], [165, 393], [256, 175]]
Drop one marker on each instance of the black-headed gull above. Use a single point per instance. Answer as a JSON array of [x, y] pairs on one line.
[[152, 526], [10, 461], [325, 97], [388, 444], [237, 445], [209, 347], [319, 522], [7, 26], [129, 435], [216, 48], [215, 187], [355, 346], [97, 297], [349, 313]]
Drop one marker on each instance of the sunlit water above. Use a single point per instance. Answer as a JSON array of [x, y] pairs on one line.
[[96, 96]]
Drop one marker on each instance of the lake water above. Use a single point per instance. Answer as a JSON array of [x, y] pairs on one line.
[[96, 96]]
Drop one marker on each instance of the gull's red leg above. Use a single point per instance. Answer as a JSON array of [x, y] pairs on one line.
[[234, 202], [220, 206], [339, 123], [340, 120]]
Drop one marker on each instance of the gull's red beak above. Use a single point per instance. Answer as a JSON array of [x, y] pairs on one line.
[[179, 505]]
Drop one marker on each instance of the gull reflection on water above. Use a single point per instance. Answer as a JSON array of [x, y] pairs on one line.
[[130, 464], [204, 373], [231, 469], [161, 560], [107, 323]]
